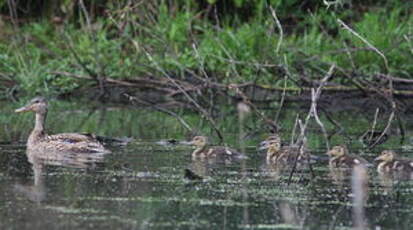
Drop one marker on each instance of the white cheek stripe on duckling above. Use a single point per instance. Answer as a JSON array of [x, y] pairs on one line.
[[356, 161]]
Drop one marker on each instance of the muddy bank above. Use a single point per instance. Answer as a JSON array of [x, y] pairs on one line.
[[333, 98]]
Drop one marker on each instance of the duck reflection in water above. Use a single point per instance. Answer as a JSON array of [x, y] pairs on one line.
[[293, 215], [40, 161]]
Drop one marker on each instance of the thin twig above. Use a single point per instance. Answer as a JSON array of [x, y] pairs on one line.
[[335, 123], [200, 109], [85, 13], [277, 22], [295, 128], [386, 65], [401, 128], [388, 125], [283, 94], [100, 71], [13, 12], [158, 108], [373, 127], [246, 100], [315, 95], [300, 142], [317, 119]]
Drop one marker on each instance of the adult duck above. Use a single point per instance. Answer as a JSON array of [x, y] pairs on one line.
[[40, 141]]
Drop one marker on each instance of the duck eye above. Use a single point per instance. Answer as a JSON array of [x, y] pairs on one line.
[[36, 101]]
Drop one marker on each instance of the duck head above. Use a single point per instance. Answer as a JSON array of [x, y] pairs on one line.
[[339, 150], [37, 105], [386, 155], [274, 147], [272, 142], [199, 141]]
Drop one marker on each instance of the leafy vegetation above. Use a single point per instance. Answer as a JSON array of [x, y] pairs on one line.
[[232, 41]]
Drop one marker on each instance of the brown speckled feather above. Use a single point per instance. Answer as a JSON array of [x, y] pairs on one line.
[[391, 162], [287, 155], [347, 161], [72, 137], [396, 165], [218, 151], [204, 151], [340, 157]]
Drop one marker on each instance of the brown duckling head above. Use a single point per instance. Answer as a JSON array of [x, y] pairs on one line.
[[274, 137], [272, 142], [386, 156], [199, 141], [274, 146], [338, 150], [37, 105]]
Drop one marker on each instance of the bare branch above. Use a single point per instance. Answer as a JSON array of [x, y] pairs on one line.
[[277, 22], [190, 99], [301, 140], [315, 95], [366, 42], [173, 114]]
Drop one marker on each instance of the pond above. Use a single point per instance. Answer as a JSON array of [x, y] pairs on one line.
[[142, 185]]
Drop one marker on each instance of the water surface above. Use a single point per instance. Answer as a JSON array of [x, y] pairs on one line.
[[142, 185]]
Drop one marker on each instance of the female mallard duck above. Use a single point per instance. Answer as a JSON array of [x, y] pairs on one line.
[[340, 157], [277, 154], [204, 151], [389, 162], [72, 142]]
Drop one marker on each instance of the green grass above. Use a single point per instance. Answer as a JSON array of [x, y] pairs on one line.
[[180, 42]]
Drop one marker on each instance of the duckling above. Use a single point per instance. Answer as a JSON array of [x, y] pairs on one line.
[[204, 151], [340, 157], [389, 162], [277, 154], [40, 141]]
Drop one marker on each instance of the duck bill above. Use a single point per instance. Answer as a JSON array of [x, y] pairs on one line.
[[378, 158], [23, 109], [186, 143], [263, 145], [263, 148]]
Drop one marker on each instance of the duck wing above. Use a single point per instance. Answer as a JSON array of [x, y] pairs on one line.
[[74, 145], [403, 165], [72, 137], [75, 142], [227, 152], [350, 160], [293, 153]]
